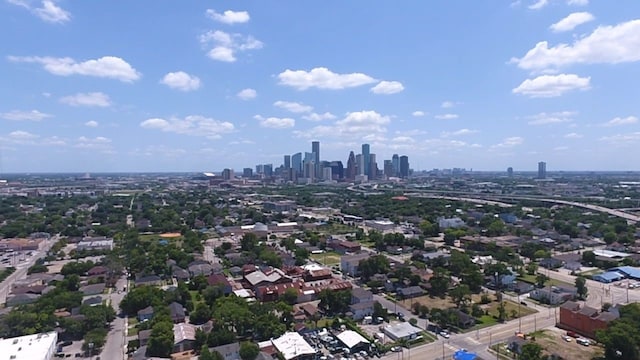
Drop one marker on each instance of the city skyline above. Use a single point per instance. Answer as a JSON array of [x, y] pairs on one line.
[[147, 87]]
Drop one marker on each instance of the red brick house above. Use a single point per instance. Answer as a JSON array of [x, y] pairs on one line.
[[584, 320]]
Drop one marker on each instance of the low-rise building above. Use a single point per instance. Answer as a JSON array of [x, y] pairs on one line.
[[292, 346], [584, 320], [554, 295], [353, 341], [30, 347], [349, 263], [228, 351], [402, 331]]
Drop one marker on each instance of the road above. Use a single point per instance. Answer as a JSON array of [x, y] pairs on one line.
[[474, 341], [600, 293], [116, 345], [23, 266]]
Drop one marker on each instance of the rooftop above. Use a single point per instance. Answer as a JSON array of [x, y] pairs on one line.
[[291, 345], [29, 347], [351, 338], [402, 330]]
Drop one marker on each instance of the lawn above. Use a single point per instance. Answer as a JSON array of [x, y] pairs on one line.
[[511, 306], [329, 258], [434, 302], [553, 282], [483, 322]]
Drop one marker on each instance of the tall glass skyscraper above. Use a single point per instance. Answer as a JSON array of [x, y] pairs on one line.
[[366, 152]]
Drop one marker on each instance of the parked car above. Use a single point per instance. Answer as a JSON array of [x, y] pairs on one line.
[[566, 338], [583, 341], [444, 334]]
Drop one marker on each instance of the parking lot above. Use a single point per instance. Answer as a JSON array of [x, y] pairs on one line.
[[71, 351], [330, 348]]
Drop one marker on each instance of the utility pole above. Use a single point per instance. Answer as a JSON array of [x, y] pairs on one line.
[[519, 316], [442, 349]]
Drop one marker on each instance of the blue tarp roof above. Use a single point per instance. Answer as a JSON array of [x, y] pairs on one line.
[[609, 276], [463, 355], [629, 271]]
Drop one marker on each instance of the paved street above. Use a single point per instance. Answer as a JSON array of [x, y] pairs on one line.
[[23, 266], [115, 347]]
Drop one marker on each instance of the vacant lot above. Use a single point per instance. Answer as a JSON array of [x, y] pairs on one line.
[[327, 258], [553, 343], [512, 309], [436, 302]]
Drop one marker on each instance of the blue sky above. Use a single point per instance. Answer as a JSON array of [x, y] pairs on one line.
[[147, 85]]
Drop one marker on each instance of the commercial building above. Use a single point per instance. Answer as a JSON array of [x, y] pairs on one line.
[[404, 166], [30, 347], [292, 346], [542, 170], [584, 320], [402, 331], [353, 341], [366, 160], [349, 263]]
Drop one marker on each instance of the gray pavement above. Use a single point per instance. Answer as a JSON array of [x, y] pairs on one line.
[[116, 345]]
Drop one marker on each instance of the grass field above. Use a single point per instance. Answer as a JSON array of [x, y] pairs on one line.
[[511, 306], [328, 258], [553, 282]]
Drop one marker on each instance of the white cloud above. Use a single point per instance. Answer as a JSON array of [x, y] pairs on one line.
[[293, 107], [573, 136], [194, 125], [319, 117], [275, 123], [509, 142], [182, 81], [572, 21], [446, 116], [605, 45], [355, 125], [48, 11], [247, 94], [403, 139], [98, 143], [539, 4], [87, 99], [18, 115], [578, 2], [105, 67], [229, 17], [20, 135], [225, 45], [418, 113], [621, 121], [91, 123], [622, 139], [544, 118], [322, 78], [552, 85], [448, 104], [461, 132], [387, 87]]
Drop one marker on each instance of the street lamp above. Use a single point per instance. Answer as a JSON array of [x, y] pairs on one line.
[[90, 350]]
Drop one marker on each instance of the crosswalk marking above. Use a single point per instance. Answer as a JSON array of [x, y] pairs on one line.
[[472, 340], [451, 347]]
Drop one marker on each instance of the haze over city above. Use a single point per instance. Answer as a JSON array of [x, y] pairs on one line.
[[203, 86]]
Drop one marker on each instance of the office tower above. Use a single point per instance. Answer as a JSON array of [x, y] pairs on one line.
[[359, 164], [259, 169], [247, 172], [373, 167], [388, 168], [395, 162], [309, 170], [351, 166], [510, 172], [366, 151], [296, 163], [404, 166], [542, 170], [268, 170], [337, 170], [287, 161], [327, 174], [315, 149], [227, 174]]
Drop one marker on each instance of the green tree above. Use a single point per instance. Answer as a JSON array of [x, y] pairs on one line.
[[161, 339], [581, 287], [541, 279], [206, 354], [290, 296], [531, 351], [439, 282], [249, 351], [532, 268], [502, 312], [589, 257], [249, 241], [201, 315], [460, 295]]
